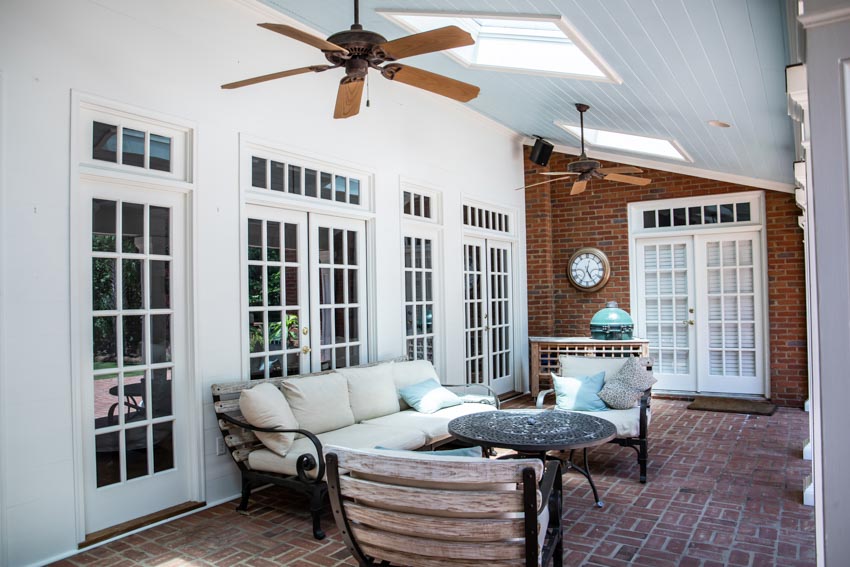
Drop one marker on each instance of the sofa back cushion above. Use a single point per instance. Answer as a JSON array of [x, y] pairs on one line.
[[320, 403], [590, 365], [265, 406], [371, 391], [411, 372]]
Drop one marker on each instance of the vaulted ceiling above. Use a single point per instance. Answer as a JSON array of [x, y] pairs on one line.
[[682, 63]]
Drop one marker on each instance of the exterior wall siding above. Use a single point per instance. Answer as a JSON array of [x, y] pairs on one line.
[[558, 224]]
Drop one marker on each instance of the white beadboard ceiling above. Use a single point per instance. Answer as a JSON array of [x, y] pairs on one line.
[[682, 63]]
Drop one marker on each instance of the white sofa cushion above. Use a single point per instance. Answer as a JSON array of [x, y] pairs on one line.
[[435, 426], [590, 365], [411, 372], [265, 406], [320, 403], [627, 421], [371, 391], [358, 436]]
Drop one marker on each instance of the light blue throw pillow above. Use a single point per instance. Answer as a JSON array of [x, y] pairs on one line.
[[579, 393], [428, 396]]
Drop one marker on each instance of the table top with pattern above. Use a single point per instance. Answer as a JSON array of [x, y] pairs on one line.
[[533, 431]]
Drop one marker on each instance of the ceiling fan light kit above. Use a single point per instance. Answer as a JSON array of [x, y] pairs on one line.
[[357, 50], [586, 169]]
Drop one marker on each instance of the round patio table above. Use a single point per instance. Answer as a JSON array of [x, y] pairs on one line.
[[536, 432]]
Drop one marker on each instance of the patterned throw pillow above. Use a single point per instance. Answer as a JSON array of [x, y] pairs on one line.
[[623, 389]]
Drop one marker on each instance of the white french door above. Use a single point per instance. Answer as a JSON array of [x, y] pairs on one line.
[[700, 307], [337, 292], [488, 313], [306, 291], [666, 309], [278, 293], [731, 330], [134, 359]]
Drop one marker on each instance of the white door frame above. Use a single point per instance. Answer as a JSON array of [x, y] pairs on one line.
[[756, 223], [81, 165]]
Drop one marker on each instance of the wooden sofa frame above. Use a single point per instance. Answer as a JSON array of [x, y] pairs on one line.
[[240, 440]]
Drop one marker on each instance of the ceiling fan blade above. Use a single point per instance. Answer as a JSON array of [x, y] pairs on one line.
[[272, 76], [437, 84], [448, 37], [578, 187], [558, 173], [540, 183], [348, 97], [628, 179], [303, 37], [621, 169]]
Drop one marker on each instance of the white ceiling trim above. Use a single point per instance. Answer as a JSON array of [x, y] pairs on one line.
[[824, 18], [676, 168]]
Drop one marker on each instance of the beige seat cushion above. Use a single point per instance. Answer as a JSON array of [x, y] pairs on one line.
[[371, 391], [359, 436], [411, 372], [265, 406], [320, 403], [589, 365], [627, 421], [435, 426]]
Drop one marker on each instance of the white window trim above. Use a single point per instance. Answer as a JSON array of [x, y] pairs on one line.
[[251, 145], [511, 213], [435, 195], [82, 169], [568, 29], [757, 211]]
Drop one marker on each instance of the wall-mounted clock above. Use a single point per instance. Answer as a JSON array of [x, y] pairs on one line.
[[588, 269]]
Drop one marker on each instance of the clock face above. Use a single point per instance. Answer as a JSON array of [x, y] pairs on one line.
[[588, 269]]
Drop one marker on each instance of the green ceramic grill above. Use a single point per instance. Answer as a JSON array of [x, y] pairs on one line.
[[612, 324]]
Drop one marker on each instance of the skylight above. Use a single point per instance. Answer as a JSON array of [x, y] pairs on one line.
[[530, 44], [628, 142]]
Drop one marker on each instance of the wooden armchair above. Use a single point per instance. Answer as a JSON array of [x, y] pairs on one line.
[[420, 510]]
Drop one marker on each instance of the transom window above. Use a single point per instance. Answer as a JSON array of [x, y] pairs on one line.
[[722, 213], [487, 219], [128, 146], [418, 205], [541, 44], [295, 179]]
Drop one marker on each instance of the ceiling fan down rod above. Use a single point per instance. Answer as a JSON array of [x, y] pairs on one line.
[[582, 108], [356, 15]]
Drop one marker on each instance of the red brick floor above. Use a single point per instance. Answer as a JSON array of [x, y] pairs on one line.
[[724, 489]]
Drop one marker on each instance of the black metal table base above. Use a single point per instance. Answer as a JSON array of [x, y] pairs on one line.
[[566, 464]]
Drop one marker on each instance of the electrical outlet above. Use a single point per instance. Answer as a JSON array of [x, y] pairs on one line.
[[220, 448]]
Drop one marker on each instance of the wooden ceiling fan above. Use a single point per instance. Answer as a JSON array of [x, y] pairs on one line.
[[356, 50], [587, 169]]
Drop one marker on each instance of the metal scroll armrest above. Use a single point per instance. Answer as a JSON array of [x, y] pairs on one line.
[[494, 397], [306, 462], [541, 397]]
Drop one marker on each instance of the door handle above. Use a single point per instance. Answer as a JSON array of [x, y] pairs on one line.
[[306, 349], [688, 322], [305, 331]]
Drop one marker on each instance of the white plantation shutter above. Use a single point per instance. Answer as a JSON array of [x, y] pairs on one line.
[[731, 307], [665, 302]]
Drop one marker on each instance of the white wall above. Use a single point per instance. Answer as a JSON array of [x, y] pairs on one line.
[[828, 69], [170, 56]]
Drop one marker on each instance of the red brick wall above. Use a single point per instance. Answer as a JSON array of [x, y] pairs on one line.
[[558, 224]]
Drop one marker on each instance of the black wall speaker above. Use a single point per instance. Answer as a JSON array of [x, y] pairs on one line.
[[541, 152]]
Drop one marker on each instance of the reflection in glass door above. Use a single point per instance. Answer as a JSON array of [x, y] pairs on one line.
[[278, 317], [135, 365]]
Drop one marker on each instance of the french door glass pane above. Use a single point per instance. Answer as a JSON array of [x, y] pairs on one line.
[[339, 305], [133, 284], [666, 302], [418, 306], [274, 311], [474, 308]]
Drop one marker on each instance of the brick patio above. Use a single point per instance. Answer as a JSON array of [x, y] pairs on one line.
[[724, 489]]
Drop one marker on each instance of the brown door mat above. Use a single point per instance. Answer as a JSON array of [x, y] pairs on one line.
[[733, 405]]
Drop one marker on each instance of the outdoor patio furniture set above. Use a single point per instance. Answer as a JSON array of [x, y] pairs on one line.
[[309, 432]]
